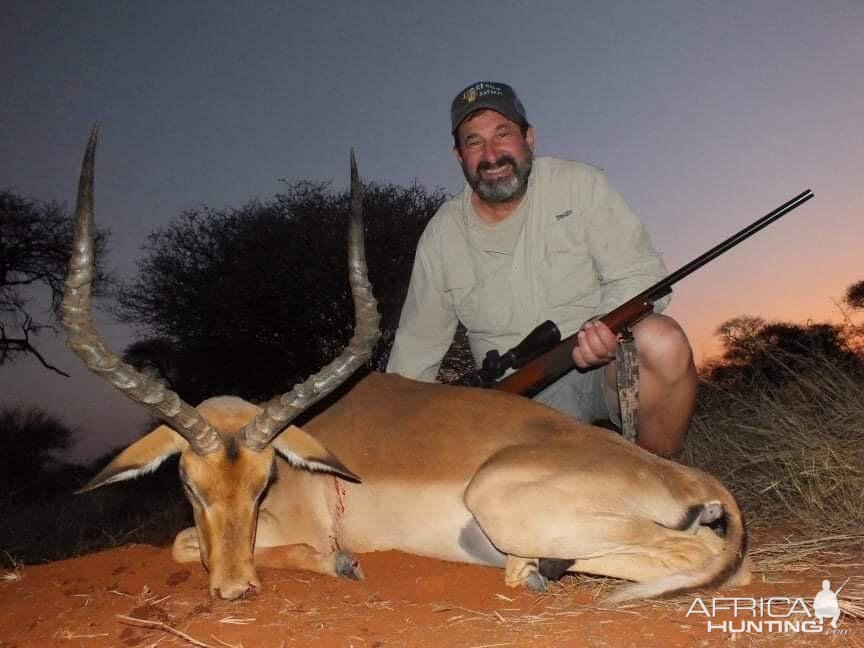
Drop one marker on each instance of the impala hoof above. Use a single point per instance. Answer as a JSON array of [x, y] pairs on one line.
[[347, 566], [535, 582]]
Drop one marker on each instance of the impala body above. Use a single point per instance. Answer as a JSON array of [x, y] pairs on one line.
[[455, 473]]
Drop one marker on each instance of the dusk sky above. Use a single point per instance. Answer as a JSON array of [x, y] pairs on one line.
[[706, 115]]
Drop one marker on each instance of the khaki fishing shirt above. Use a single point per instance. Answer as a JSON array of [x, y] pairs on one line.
[[580, 253]]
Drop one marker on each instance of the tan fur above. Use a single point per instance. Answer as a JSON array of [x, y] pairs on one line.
[[439, 464]]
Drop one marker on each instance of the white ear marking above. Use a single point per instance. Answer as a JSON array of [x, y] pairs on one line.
[[299, 462], [313, 466], [134, 473]]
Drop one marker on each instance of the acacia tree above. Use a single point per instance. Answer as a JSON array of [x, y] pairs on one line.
[[249, 301], [755, 350], [34, 251], [854, 297], [31, 442], [854, 300]]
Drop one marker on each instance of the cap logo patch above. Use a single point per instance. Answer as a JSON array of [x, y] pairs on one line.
[[478, 90], [487, 94]]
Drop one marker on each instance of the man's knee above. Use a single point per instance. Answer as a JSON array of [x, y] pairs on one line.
[[663, 346]]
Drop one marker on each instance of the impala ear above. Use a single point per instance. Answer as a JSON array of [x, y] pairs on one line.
[[304, 451], [143, 456]]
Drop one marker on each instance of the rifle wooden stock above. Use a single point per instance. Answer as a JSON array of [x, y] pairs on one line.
[[558, 360]]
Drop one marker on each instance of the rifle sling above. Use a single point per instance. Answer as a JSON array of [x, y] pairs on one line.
[[628, 384]]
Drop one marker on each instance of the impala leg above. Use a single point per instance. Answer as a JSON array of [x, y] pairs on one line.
[[524, 571], [270, 553], [655, 553], [670, 554], [279, 548], [604, 544], [186, 547], [543, 513], [305, 557]]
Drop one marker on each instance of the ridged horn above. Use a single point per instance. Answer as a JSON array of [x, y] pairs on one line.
[[82, 338], [280, 411]]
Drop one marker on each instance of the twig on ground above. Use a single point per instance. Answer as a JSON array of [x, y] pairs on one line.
[[158, 625]]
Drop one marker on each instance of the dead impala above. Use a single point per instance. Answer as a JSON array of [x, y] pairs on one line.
[[454, 473]]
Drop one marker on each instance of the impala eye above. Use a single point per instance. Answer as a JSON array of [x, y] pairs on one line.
[[190, 492], [271, 479]]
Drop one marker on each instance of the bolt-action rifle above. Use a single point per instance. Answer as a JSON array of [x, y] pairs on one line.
[[543, 356]]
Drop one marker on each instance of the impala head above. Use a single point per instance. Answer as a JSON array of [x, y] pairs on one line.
[[227, 446]]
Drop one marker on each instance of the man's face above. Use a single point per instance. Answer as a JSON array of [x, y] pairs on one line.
[[495, 157]]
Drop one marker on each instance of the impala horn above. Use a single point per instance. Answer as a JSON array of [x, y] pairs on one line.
[[281, 410], [82, 338]]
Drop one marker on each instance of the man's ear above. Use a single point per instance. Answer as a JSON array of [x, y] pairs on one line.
[[457, 153], [143, 456], [304, 451], [529, 138]]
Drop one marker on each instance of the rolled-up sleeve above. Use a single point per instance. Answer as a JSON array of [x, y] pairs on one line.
[[428, 321], [625, 258]]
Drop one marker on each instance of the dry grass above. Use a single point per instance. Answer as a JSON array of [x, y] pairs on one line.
[[851, 599], [793, 453], [826, 552]]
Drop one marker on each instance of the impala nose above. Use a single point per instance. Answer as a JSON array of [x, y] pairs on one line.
[[231, 592]]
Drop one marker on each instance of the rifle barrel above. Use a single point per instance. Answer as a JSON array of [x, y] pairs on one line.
[[730, 242], [557, 360]]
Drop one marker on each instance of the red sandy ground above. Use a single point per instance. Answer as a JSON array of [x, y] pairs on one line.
[[404, 601]]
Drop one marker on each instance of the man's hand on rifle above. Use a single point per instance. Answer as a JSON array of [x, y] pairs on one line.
[[596, 345]]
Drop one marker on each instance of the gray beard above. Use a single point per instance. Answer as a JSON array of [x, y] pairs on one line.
[[505, 189]]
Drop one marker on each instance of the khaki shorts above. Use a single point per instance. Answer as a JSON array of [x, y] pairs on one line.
[[582, 395]]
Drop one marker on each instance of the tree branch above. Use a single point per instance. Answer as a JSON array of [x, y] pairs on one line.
[[8, 346]]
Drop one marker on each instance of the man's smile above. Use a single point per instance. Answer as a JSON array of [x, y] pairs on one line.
[[503, 168], [497, 172]]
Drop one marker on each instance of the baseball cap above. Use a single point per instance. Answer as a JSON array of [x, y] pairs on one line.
[[490, 95]]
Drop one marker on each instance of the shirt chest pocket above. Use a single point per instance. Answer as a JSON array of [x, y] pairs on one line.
[[483, 305], [569, 275]]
